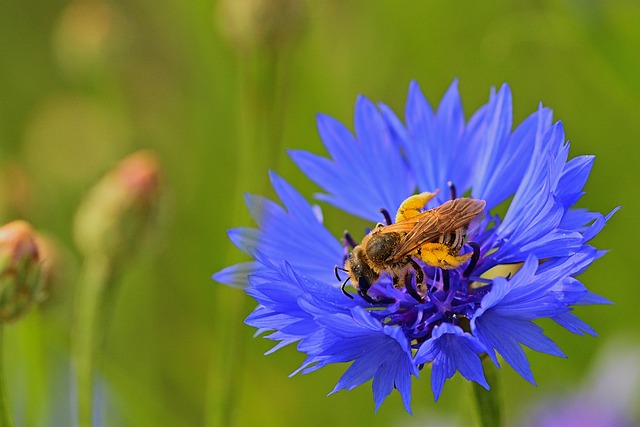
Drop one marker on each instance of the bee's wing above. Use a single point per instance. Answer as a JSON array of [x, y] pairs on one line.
[[403, 226], [428, 226]]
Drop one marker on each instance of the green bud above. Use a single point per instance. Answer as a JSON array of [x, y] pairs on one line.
[[120, 210], [20, 270]]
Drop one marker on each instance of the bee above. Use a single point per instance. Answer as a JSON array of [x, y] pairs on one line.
[[433, 236]]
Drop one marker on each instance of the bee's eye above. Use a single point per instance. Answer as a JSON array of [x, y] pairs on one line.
[[363, 284]]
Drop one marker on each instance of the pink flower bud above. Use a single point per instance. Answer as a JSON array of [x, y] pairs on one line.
[[121, 208], [20, 269]]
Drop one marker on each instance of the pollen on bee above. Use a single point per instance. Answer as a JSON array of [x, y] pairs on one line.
[[412, 205], [439, 254]]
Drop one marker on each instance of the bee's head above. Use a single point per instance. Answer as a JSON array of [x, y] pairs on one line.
[[360, 269]]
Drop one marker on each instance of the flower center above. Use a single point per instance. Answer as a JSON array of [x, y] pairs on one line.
[[417, 272]]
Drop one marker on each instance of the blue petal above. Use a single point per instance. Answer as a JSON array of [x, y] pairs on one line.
[[574, 177], [504, 157], [592, 298], [506, 333], [280, 293], [435, 143], [379, 352], [245, 238], [281, 234], [534, 223], [574, 324], [598, 225], [366, 173], [451, 349], [494, 333], [236, 275]]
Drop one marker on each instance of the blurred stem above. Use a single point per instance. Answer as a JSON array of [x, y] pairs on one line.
[[36, 368], [259, 129], [488, 402], [6, 419], [87, 333]]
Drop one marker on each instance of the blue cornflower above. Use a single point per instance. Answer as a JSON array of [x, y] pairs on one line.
[[391, 332]]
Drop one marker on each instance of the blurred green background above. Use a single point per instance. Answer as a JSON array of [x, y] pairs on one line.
[[84, 83]]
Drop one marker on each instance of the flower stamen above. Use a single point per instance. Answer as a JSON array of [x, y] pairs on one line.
[[387, 217], [474, 259], [452, 190]]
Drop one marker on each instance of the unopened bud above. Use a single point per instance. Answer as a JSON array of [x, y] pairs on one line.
[[88, 34], [20, 270], [50, 265], [252, 24], [119, 211]]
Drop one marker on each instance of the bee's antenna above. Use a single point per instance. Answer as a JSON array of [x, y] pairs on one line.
[[474, 259], [335, 271], [387, 217], [452, 190], [344, 291]]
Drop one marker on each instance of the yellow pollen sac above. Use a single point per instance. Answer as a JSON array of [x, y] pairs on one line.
[[441, 255], [413, 205]]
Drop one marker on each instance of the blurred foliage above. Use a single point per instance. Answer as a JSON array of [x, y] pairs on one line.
[[83, 83]]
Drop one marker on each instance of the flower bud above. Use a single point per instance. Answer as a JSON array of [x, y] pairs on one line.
[[120, 209], [20, 270], [249, 24], [88, 34], [51, 264]]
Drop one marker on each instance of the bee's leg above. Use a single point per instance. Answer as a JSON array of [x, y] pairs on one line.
[[445, 280], [441, 255], [363, 287], [413, 205], [418, 270], [370, 300], [411, 289], [452, 190], [474, 259], [387, 217]]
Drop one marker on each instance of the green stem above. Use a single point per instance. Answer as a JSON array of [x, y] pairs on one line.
[[259, 129], [6, 419], [488, 402], [87, 331], [31, 347]]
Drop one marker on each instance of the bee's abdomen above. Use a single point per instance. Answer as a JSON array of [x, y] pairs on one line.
[[454, 239]]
